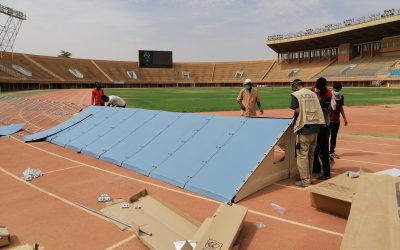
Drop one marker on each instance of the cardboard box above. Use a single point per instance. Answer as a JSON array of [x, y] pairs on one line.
[[374, 221], [4, 236], [220, 231], [158, 224], [334, 195]]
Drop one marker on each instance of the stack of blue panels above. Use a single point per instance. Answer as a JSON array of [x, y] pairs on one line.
[[207, 154]]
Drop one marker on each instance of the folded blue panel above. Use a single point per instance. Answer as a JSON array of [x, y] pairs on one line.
[[167, 143], [100, 129], [139, 139], [64, 137], [11, 129], [90, 112], [192, 156], [65, 125], [210, 155], [237, 159], [119, 133]]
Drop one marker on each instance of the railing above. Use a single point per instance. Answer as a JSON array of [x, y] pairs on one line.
[[329, 27]]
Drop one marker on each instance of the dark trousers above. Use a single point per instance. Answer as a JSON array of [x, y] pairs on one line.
[[322, 153], [334, 129]]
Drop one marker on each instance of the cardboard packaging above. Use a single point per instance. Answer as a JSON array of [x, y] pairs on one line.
[[4, 236], [159, 225], [334, 195], [220, 231], [374, 221]]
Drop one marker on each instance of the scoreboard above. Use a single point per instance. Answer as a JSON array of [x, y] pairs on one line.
[[155, 59]]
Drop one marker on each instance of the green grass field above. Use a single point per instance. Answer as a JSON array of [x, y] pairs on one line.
[[223, 99]]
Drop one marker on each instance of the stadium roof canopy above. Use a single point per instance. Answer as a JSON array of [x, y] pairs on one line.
[[360, 33]]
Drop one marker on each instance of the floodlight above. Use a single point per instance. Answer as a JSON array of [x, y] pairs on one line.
[[9, 31]]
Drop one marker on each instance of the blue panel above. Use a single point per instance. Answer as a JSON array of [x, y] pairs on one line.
[[138, 139], [167, 143], [210, 155], [66, 136], [119, 133], [11, 129], [70, 124], [192, 156], [237, 159], [101, 128], [65, 125]]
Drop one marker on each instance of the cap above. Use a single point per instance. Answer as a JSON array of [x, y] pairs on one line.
[[247, 81], [297, 82]]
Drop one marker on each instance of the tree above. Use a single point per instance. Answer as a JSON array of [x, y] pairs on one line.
[[64, 53]]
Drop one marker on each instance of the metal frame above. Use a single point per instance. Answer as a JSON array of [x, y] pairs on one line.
[[9, 31]]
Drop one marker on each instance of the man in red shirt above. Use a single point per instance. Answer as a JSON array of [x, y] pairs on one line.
[[322, 150], [97, 92], [337, 104]]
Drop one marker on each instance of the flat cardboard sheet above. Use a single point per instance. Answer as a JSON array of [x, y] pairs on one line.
[[374, 221], [159, 225], [165, 223], [334, 195]]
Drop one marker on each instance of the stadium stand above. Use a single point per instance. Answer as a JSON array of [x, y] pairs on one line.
[[7, 74], [361, 67], [61, 66], [225, 71], [117, 70], [18, 59], [160, 75], [287, 72], [357, 52], [199, 72]]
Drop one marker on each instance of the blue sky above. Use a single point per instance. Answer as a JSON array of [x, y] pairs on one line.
[[195, 30]]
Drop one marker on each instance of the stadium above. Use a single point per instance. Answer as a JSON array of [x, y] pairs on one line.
[[191, 169]]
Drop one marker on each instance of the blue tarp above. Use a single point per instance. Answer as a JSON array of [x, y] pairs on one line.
[[5, 131], [207, 154], [65, 125]]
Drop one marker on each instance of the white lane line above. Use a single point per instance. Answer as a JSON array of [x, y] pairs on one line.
[[366, 151], [51, 194], [374, 125], [58, 170], [113, 173], [368, 162], [178, 191], [121, 242], [63, 169], [288, 186], [371, 143], [296, 223]]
